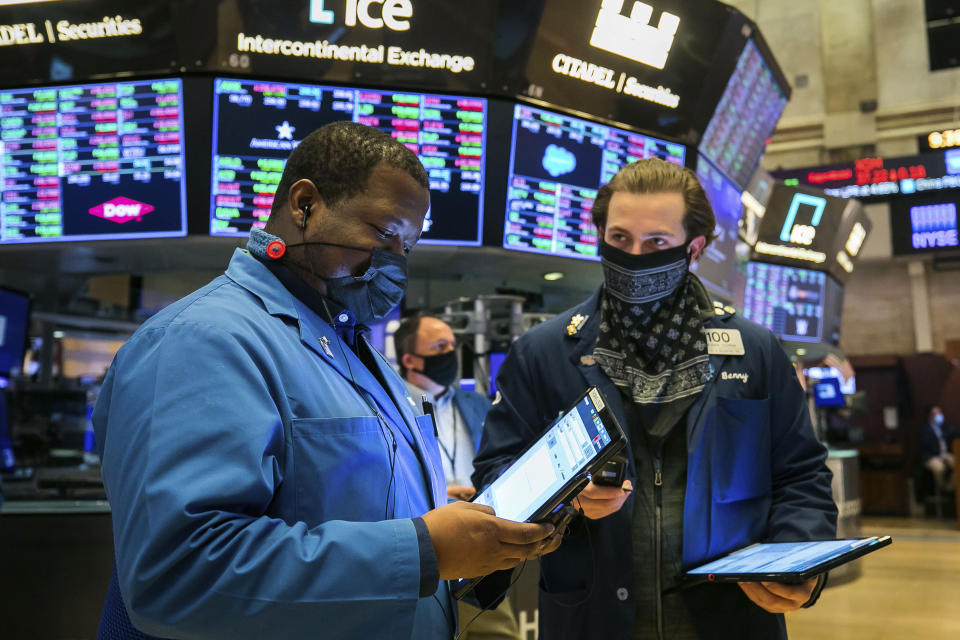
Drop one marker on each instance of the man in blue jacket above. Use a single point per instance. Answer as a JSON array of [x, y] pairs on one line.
[[426, 353], [722, 450], [268, 473]]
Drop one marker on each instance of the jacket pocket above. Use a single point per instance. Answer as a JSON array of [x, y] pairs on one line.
[[428, 434], [341, 469], [740, 452]]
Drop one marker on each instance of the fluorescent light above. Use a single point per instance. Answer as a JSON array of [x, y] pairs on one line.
[[553, 275], [4, 3]]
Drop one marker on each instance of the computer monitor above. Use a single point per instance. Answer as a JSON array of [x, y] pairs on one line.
[[745, 118], [717, 266], [827, 393], [557, 164], [14, 328], [258, 123], [797, 304], [848, 386], [92, 162]]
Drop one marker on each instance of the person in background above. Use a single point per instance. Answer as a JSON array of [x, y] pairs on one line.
[[721, 450], [426, 353], [268, 476], [934, 448]]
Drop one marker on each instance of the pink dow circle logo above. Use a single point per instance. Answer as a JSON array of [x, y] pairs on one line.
[[121, 210]]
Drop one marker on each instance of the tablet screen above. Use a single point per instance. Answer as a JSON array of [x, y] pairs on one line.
[[782, 557], [561, 453]]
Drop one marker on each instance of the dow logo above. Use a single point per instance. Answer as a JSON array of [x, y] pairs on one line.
[[633, 36], [121, 210], [802, 233], [372, 14]]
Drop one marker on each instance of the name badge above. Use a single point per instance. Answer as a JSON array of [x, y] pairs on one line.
[[724, 342]]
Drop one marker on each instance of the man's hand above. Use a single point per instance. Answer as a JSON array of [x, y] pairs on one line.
[[460, 492], [471, 541], [598, 501], [777, 597]]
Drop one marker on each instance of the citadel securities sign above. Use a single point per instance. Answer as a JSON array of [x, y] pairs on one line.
[[72, 41]]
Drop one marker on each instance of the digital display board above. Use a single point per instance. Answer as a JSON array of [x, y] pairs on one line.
[[787, 300], [14, 318], [717, 265], [92, 162], [804, 227], [736, 143], [557, 164], [258, 123], [881, 177], [924, 225]]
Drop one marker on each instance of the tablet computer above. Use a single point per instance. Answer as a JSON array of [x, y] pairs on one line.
[[552, 470], [791, 562], [558, 464]]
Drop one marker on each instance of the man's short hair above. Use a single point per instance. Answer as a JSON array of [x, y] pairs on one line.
[[405, 338], [653, 175], [339, 158]]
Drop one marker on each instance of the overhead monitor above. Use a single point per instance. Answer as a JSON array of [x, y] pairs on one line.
[[804, 227], [557, 164], [258, 123], [847, 385], [92, 162], [925, 225], [798, 305], [14, 328], [717, 265], [745, 118]]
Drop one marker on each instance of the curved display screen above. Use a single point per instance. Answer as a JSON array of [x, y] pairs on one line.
[[258, 123], [92, 162], [557, 164]]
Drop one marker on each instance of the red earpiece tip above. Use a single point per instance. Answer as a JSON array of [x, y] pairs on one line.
[[276, 249]]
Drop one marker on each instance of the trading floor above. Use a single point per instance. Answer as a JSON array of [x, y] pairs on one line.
[[916, 577]]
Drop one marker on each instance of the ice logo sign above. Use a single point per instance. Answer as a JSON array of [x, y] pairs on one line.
[[802, 233], [634, 37], [121, 210], [558, 161]]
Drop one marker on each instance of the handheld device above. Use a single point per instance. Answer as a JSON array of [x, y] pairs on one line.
[[790, 562], [612, 472], [552, 470]]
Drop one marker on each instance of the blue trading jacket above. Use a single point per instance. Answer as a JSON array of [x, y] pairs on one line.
[[249, 479], [755, 472]]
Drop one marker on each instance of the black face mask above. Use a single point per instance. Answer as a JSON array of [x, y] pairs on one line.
[[442, 368], [643, 278]]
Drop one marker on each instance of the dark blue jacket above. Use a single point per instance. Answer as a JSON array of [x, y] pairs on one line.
[[755, 472]]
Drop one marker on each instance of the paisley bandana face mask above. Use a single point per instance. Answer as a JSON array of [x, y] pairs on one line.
[[651, 342]]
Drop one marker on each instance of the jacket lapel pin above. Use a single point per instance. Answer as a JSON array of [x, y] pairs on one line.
[[575, 323]]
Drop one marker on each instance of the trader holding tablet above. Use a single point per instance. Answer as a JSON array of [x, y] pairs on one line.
[[721, 452]]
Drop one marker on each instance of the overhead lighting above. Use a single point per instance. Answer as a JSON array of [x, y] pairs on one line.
[[4, 3], [801, 351], [553, 275], [58, 334]]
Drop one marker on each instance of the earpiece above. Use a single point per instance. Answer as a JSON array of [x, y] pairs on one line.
[[306, 214]]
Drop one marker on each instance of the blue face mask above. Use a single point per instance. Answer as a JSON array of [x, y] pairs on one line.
[[377, 292], [938, 419]]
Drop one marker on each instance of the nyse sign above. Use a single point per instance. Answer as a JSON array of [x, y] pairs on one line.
[[391, 14]]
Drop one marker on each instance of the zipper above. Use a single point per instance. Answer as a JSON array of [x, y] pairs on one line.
[[657, 536]]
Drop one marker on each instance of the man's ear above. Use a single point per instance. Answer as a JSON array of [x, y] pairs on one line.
[[696, 247], [302, 195], [407, 360]]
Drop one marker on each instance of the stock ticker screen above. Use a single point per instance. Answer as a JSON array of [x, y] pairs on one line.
[[733, 141], [257, 124], [717, 265], [557, 164], [92, 162], [789, 301]]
